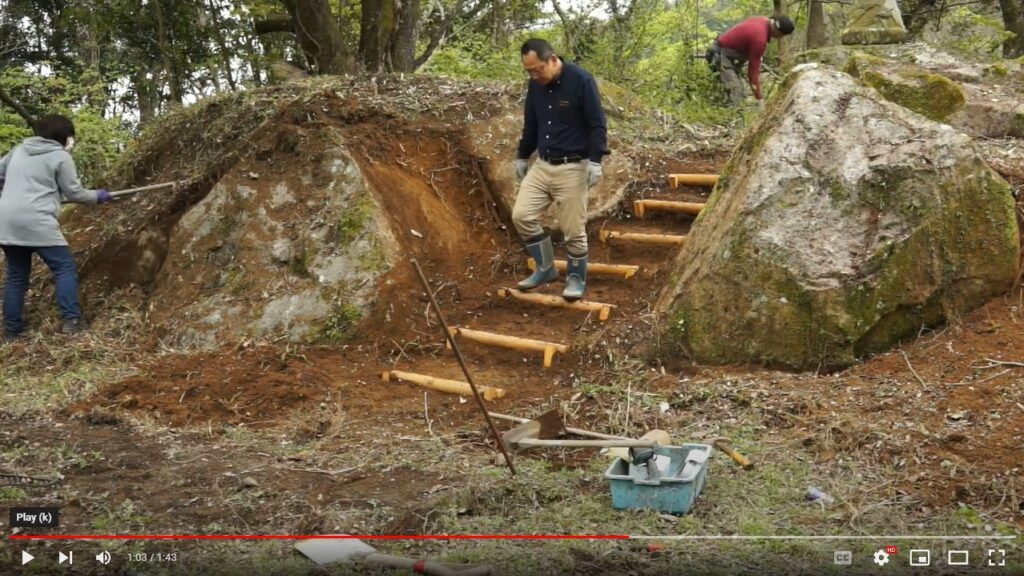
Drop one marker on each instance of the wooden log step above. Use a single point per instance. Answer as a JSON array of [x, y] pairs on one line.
[[652, 239], [603, 310], [625, 270], [443, 385], [511, 342], [641, 207], [708, 180]]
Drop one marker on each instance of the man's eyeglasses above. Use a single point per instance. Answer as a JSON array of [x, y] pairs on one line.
[[537, 70]]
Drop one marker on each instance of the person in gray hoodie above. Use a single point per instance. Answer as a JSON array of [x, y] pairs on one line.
[[35, 177]]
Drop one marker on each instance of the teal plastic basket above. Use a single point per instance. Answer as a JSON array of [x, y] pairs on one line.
[[674, 491]]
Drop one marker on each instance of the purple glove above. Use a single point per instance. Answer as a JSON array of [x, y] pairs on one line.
[[103, 196]]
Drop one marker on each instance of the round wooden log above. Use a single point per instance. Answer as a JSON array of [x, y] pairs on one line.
[[512, 342], [624, 270], [602, 309], [676, 180], [490, 393], [640, 207], [652, 239]]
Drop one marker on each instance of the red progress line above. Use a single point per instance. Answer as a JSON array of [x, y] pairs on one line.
[[318, 537]]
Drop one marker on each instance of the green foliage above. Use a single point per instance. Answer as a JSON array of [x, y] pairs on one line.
[[654, 51], [338, 326], [476, 57], [98, 140], [974, 33]]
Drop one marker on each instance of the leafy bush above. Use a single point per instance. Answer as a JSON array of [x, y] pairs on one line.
[[99, 140]]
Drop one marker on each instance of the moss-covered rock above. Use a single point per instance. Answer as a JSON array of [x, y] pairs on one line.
[[927, 93], [841, 224], [874, 22]]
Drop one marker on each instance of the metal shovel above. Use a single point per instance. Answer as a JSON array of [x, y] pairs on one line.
[[331, 550]]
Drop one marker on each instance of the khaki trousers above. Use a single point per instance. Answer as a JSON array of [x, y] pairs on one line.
[[564, 185]]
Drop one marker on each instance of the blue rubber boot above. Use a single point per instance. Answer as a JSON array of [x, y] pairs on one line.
[[543, 254], [575, 278]]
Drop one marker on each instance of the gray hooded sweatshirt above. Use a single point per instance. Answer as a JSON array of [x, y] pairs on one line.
[[34, 178]]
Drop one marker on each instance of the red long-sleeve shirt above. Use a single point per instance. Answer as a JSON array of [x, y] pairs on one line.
[[749, 37]]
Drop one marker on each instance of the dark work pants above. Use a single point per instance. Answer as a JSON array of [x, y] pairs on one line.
[[19, 269]]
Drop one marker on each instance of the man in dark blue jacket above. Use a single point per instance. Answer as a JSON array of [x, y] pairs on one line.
[[564, 123]]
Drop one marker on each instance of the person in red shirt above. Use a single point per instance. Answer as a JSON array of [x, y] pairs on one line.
[[745, 42]]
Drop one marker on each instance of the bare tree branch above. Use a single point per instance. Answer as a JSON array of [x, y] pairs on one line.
[[269, 25], [6, 99]]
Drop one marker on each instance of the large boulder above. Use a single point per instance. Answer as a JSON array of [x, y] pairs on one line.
[[874, 22], [266, 253], [927, 93], [841, 224], [982, 100]]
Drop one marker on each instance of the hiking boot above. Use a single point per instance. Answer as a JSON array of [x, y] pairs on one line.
[[72, 326], [543, 254], [575, 278]]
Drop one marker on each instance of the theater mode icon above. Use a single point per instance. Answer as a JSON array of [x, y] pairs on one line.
[[958, 558]]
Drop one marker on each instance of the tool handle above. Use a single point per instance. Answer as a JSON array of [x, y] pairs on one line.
[[173, 185], [575, 431], [589, 443], [736, 456]]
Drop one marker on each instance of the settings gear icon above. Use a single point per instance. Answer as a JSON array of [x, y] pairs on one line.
[[881, 558]]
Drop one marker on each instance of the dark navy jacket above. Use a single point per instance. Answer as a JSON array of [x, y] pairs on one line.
[[565, 118]]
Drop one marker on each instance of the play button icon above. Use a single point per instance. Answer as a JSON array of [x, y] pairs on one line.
[[26, 557]]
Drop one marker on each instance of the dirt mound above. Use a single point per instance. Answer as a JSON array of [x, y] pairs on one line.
[[257, 386], [298, 202]]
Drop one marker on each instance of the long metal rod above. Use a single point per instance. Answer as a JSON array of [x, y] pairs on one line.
[[462, 364], [173, 185], [576, 431]]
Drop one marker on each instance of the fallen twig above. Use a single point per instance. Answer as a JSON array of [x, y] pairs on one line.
[[996, 363], [912, 371]]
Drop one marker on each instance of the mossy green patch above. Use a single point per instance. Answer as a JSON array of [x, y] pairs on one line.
[[339, 326], [354, 218], [931, 95]]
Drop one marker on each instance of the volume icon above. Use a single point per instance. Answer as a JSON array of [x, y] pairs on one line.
[[103, 557]]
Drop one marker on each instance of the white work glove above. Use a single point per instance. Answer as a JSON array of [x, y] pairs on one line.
[[522, 166], [593, 174]]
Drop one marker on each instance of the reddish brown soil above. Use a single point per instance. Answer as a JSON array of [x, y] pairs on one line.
[[467, 254]]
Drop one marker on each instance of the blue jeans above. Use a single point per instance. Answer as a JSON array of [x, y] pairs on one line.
[[19, 269]]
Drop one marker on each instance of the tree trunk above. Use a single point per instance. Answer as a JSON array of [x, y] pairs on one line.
[[6, 99], [1013, 22], [570, 46], [167, 55], [217, 31], [817, 34], [147, 95], [375, 31], [780, 10], [403, 45], [319, 37]]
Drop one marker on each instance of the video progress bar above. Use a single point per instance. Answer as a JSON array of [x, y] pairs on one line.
[[683, 537], [849, 537]]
